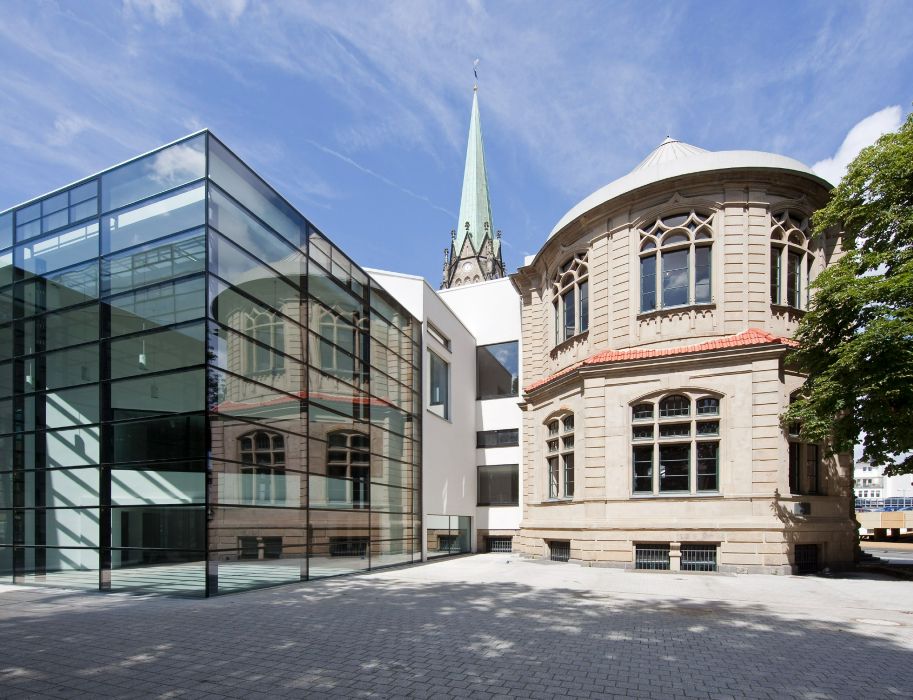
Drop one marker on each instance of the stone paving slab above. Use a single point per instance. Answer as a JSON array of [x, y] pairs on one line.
[[487, 626]]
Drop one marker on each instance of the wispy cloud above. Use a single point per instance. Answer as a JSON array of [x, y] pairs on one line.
[[864, 133], [382, 178]]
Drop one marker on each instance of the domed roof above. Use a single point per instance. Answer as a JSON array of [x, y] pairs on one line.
[[673, 158]]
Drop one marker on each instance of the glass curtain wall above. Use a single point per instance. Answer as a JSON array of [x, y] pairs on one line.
[[187, 403]]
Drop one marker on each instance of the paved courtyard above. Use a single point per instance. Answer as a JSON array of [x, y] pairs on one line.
[[484, 626]]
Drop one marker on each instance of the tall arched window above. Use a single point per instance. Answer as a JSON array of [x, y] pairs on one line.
[[559, 448], [267, 329], [571, 298], [676, 444], [263, 471], [675, 261], [348, 469], [790, 260]]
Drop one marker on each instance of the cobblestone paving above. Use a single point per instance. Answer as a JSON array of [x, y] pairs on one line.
[[482, 627]]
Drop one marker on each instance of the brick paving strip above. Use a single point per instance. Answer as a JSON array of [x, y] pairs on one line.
[[487, 626]]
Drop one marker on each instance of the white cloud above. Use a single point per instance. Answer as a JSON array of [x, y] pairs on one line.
[[162, 11], [863, 134]]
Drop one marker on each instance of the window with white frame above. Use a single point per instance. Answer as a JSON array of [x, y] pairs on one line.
[[790, 260], [676, 444], [268, 329], [571, 298], [559, 449], [675, 261]]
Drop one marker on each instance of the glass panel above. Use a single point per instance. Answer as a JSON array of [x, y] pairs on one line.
[[702, 274], [155, 262], [674, 467], [71, 327], [708, 466], [793, 272], [164, 305], [776, 255], [497, 370], [568, 464], [642, 432], [64, 409], [250, 235], [553, 477], [708, 407], [241, 182], [708, 428], [161, 350], [68, 367], [72, 448], [157, 172], [643, 469], [180, 392], [146, 487], [642, 411], [439, 386], [60, 250], [648, 283], [57, 290], [675, 278], [675, 430], [499, 485], [171, 437], [157, 218], [6, 230]]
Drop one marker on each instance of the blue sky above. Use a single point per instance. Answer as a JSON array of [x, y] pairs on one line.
[[358, 112]]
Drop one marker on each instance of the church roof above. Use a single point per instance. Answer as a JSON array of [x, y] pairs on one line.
[[475, 205], [673, 158], [747, 338]]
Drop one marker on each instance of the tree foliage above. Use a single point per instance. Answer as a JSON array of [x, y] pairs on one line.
[[856, 341]]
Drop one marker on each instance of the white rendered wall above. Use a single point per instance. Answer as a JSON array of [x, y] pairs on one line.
[[448, 445], [491, 311]]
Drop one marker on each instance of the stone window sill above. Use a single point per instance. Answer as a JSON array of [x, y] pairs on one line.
[[643, 315]]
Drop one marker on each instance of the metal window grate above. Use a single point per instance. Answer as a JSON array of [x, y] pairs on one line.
[[349, 547], [698, 557], [559, 550], [806, 558], [499, 544], [652, 557]]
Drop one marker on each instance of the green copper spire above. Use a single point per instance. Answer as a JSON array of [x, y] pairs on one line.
[[475, 206]]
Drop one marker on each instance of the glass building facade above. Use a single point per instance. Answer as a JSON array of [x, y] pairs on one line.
[[199, 393]]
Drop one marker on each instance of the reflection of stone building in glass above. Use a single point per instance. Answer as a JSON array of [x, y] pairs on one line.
[[199, 392], [655, 322]]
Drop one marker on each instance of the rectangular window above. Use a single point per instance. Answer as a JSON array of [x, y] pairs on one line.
[[648, 283], [568, 461], [675, 278], [651, 557], [793, 279], [438, 335], [775, 264], [584, 291], [498, 438], [497, 368], [439, 397], [708, 466], [702, 287], [795, 451], [643, 469], [567, 303], [811, 469], [553, 477], [499, 485], [674, 463]]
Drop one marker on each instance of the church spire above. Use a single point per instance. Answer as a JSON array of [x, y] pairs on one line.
[[475, 205], [474, 225]]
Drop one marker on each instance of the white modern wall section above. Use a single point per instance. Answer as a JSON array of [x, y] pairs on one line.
[[448, 445], [491, 310]]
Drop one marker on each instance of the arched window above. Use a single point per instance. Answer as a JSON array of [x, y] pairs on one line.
[[571, 298], [348, 469], [269, 332], [790, 260], [263, 468], [338, 342], [675, 261], [559, 448], [676, 448]]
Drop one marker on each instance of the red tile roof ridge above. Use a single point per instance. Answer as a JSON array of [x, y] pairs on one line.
[[747, 338]]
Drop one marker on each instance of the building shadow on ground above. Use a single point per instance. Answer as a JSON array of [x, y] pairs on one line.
[[396, 638]]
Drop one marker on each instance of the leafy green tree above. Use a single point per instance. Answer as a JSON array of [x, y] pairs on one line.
[[856, 341]]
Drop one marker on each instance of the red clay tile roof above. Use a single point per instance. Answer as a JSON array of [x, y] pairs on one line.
[[753, 336]]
